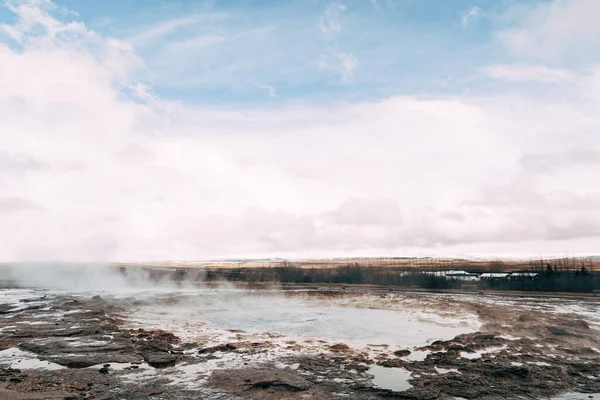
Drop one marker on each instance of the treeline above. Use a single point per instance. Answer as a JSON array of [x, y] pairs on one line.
[[553, 282], [550, 279], [557, 275]]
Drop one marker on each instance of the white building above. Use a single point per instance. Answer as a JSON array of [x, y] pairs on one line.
[[494, 276]]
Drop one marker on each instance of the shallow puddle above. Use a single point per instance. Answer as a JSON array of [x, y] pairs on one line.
[[335, 323], [443, 371], [395, 379], [479, 353], [417, 355], [16, 358], [303, 318]]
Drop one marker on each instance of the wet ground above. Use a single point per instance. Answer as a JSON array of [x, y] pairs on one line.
[[233, 343]]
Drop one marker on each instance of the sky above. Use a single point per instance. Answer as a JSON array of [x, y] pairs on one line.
[[141, 130]]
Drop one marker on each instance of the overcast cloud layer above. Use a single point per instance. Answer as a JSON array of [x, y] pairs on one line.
[[100, 160]]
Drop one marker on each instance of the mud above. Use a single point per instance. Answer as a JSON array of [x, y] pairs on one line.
[[91, 347]]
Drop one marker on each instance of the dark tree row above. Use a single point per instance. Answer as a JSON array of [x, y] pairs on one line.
[[556, 275], [552, 280]]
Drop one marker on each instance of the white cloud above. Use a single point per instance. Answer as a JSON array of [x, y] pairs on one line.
[[15, 204], [330, 23], [469, 15], [591, 85], [269, 89], [529, 73], [585, 84], [17, 163], [161, 30], [553, 29], [348, 65], [363, 212], [34, 15], [554, 162], [199, 41], [331, 26], [344, 63], [114, 178]]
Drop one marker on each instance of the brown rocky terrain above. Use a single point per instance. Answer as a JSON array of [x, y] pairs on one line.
[[93, 353]]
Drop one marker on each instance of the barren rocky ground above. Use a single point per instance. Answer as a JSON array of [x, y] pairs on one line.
[[67, 346]]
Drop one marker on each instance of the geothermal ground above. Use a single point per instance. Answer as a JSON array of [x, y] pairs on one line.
[[228, 342]]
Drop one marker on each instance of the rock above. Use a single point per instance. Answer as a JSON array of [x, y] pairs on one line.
[[168, 337], [484, 336], [106, 365], [91, 359], [509, 372], [97, 298], [402, 353], [456, 347], [15, 379], [68, 333], [221, 347], [154, 391], [33, 348], [79, 387], [579, 323], [9, 371], [340, 348], [103, 370], [6, 308], [557, 331], [267, 380], [162, 359], [277, 386]]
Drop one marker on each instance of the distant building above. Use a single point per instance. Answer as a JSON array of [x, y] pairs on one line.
[[494, 276], [462, 276], [523, 276], [445, 273], [458, 275]]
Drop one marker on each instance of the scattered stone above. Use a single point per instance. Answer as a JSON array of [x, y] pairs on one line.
[[557, 331], [162, 360], [340, 348], [265, 379], [154, 391], [221, 347]]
